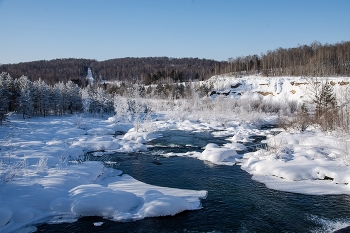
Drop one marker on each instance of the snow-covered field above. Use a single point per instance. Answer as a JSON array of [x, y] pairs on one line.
[[43, 176]]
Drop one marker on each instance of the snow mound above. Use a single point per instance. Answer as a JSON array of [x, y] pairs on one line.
[[97, 200], [217, 155], [299, 160], [157, 204]]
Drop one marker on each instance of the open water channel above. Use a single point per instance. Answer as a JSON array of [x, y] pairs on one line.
[[235, 202]]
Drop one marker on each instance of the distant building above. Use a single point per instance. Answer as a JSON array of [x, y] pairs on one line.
[[89, 77]]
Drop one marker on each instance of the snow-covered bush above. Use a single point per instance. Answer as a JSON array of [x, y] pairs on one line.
[[42, 164]]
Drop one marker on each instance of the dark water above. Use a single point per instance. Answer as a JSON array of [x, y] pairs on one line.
[[235, 203]]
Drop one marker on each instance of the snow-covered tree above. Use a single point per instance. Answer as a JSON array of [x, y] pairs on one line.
[[86, 100], [25, 103], [73, 97], [90, 99], [5, 95], [64, 99], [41, 97], [101, 100], [24, 98], [121, 108], [137, 107], [56, 99]]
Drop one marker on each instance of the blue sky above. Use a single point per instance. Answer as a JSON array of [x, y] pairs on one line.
[[213, 29]]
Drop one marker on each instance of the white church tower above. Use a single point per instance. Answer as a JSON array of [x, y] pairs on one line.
[[89, 77]]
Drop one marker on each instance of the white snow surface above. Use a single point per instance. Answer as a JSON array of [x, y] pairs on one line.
[[272, 88], [310, 162], [225, 155], [41, 178]]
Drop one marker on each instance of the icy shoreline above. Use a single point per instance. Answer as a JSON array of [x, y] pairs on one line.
[[42, 176]]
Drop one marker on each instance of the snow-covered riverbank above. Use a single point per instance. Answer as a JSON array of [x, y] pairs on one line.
[[43, 175]]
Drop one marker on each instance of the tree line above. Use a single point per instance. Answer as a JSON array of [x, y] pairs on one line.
[[149, 70], [38, 98], [314, 60]]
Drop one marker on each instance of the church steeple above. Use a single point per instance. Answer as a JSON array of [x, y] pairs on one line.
[[89, 76]]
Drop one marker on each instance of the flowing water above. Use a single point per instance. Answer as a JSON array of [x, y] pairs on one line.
[[235, 202]]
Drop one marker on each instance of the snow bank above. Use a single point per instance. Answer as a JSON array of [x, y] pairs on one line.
[[140, 137], [41, 178], [88, 189], [225, 155], [157, 204], [309, 162], [97, 200], [270, 88], [213, 153]]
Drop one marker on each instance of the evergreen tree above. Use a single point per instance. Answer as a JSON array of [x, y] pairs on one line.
[[25, 103], [73, 97], [64, 104], [326, 103], [41, 97], [86, 100], [56, 100], [101, 100], [5, 95]]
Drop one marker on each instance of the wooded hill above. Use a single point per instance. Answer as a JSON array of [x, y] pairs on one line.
[[142, 70], [304, 60], [314, 60]]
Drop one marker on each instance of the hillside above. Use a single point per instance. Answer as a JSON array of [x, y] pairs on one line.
[[274, 88], [314, 60], [142, 70]]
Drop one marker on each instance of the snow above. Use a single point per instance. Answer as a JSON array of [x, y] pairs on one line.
[[42, 177], [157, 204], [97, 200], [215, 154], [307, 162], [279, 88], [98, 224]]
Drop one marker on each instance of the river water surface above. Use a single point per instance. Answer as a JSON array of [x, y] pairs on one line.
[[235, 202]]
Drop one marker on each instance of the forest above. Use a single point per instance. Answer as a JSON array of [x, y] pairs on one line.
[[315, 60], [59, 87], [149, 70]]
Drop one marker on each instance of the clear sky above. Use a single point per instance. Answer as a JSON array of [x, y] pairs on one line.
[[213, 29]]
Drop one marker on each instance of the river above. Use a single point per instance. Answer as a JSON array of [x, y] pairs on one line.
[[235, 202]]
